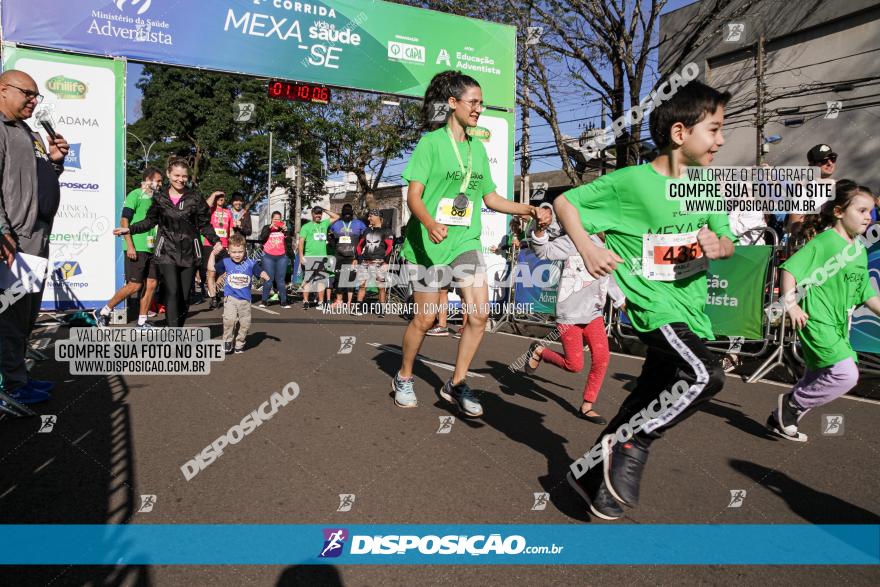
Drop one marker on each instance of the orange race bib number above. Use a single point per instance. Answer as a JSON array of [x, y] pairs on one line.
[[670, 257]]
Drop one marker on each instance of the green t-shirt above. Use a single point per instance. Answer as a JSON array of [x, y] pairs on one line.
[[315, 235], [627, 205], [435, 165], [140, 203], [834, 274]]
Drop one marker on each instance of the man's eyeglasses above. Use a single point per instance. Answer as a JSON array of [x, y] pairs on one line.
[[30, 95], [832, 158], [474, 104]]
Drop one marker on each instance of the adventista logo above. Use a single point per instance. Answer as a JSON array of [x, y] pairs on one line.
[[67, 88], [72, 160], [145, 5], [334, 541], [398, 51]]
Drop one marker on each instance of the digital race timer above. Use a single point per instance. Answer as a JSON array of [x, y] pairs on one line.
[[299, 92]]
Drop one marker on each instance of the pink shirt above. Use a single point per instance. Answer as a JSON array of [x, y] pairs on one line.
[[274, 245], [221, 220]]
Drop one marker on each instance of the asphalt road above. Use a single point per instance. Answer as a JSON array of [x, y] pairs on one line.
[[119, 437]]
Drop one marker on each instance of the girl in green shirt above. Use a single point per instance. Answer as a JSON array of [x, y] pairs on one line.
[[821, 284], [449, 178]]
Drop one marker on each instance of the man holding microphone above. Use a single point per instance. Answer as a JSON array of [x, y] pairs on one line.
[[30, 197]]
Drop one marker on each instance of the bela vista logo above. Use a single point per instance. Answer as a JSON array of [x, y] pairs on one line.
[[67, 88], [144, 5]]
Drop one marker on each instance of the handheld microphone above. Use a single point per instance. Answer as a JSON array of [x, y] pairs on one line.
[[49, 130], [44, 118]]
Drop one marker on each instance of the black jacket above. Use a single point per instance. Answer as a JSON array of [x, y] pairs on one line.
[[177, 240], [246, 227]]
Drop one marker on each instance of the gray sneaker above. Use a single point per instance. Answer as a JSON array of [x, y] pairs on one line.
[[462, 395], [404, 395]]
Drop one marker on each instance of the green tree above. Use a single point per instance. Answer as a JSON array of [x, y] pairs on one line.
[[191, 113], [362, 135]]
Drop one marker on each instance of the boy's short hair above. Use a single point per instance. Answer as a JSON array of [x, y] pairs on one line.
[[689, 105], [317, 210], [236, 240]]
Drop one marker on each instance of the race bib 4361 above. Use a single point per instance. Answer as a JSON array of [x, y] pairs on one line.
[[669, 257]]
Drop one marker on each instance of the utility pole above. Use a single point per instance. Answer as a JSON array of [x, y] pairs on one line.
[[297, 209], [269, 181], [525, 157], [759, 106]]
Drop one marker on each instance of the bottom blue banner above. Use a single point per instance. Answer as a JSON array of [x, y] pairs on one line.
[[441, 544]]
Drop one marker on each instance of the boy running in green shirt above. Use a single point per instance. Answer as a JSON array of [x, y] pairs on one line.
[[659, 258]]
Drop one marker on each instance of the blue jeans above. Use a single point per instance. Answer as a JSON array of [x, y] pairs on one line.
[[276, 267]]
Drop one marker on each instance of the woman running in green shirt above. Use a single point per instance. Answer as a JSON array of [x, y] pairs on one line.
[[449, 178]]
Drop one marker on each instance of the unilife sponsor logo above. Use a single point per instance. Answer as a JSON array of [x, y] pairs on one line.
[[67, 88]]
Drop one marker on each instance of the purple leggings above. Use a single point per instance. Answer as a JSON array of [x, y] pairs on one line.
[[822, 386]]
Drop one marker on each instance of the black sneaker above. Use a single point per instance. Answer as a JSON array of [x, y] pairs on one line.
[[463, 397], [602, 504], [305, 305], [212, 303], [228, 348], [102, 321], [783, 420], [239, 350], [623, 464]]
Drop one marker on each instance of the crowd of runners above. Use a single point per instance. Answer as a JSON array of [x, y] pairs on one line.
[[617, 237]]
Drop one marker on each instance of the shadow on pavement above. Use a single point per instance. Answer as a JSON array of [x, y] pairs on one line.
[[80, 472], [309, 576], [813, 506], [737, 419]]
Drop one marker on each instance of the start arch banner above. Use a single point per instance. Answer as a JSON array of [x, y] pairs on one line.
[[362, 44]]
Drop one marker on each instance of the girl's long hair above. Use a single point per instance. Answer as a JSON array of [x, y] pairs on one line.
[[845, 190], [444, 85]]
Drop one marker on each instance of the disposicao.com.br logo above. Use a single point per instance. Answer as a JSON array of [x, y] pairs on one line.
[[452, 544]]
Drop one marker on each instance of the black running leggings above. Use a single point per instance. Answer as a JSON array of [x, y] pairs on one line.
[[674, 354], [178, 282]]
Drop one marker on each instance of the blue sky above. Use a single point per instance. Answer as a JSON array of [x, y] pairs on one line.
[[571, 111]]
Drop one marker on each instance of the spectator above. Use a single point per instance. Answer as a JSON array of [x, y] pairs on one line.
[[373, 253], [510, 240], [823, 157], [274, 239], [346, 232], [221, 221], [312, 250], [30, 198], [140, 270], [241, 216]]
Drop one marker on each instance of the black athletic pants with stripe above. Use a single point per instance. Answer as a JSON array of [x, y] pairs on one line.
[[674, 354]]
